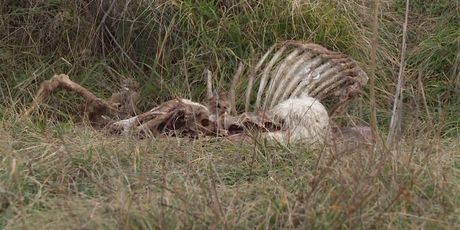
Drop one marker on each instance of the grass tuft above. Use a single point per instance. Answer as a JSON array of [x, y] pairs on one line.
[[56, 172]]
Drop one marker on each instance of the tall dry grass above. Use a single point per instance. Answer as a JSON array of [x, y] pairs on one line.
[[70, 176], [56, 172]]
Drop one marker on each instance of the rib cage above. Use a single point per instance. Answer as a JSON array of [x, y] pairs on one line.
[[292, 68]]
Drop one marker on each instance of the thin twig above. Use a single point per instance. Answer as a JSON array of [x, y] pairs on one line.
[[395, 124], [455, 69], [375, 25]]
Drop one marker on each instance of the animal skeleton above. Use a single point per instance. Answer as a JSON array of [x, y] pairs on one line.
[[95, 109], [293, 79], [296, 68], [174, 117]]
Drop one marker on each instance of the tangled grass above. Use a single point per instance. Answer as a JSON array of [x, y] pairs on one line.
[[69, 176], [56, 172]]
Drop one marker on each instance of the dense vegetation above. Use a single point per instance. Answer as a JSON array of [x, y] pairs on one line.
[[56, 172]]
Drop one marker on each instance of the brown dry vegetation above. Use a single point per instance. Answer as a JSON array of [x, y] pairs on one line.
[[57, 172], [66, 176]]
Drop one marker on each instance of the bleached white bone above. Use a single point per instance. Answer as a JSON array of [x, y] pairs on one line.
[[304, 118]]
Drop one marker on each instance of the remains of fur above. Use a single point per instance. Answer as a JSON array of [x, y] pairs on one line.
[[98, 111], [126, 99], [182, 116], [304, 120], [250, 122]]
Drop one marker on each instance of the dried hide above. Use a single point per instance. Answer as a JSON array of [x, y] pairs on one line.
[[126, 99], [177, 117], [300, 88], [250, 122], [98, 111], [182, 117], [294, 80], [218, 104]]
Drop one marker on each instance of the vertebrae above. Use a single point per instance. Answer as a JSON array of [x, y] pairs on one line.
[[294, 80], [292, 68]]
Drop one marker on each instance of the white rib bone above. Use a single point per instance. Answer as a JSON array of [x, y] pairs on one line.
[[288, 77], [252, 77], [280, 72], [265, 75]]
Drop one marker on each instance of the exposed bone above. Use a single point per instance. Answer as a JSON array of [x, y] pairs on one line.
[[174, 117], [292, 84], [235, 80], [292, 72], [209, 92], [279, 73], [252, 77], [303, 77], [127, 98], [95, 108], [305, 120], [218, 104], [266, 75], [322, 73], [326, 75], [251, 122]]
